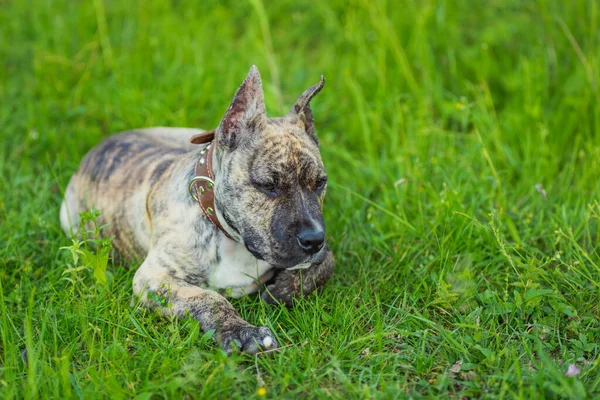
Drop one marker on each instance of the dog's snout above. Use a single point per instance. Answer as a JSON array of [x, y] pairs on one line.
[[311, 240]]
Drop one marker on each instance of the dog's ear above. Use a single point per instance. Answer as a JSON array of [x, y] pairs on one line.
[[246, 112], [301, 112]]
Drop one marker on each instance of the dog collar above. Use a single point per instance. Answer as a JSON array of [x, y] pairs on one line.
[[202, 185]]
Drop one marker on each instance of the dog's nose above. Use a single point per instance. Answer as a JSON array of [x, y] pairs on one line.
[[311, 240]]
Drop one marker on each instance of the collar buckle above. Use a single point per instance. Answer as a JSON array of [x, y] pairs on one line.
[[210, 184]]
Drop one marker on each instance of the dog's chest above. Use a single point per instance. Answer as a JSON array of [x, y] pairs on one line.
[[238, 271]]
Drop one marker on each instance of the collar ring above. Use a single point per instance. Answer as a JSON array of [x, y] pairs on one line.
[[210, 184]]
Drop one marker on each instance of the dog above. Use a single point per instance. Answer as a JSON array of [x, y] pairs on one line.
[[227, 213]]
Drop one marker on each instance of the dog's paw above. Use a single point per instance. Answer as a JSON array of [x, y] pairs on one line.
[[278, 293], [290, 284], [249, 339], [282, 289]]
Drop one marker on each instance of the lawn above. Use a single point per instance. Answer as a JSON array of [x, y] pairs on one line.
[[462, 143]]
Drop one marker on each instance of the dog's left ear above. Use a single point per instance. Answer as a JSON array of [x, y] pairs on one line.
[[301, 112], [246, 113]]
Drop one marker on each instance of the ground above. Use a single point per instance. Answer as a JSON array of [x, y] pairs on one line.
[[462, 143]]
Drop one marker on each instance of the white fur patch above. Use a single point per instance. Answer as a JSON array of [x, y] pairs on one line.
[[238, 269]]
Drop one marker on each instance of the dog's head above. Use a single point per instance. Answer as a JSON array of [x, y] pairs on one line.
[[269, 181]]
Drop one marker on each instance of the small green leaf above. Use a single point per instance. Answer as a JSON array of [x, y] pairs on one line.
[[518, 299], [96, 262], [535, 293], [144, 396], [563, 308]]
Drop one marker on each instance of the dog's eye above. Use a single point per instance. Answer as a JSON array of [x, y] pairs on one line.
[[267, 188], [321, 182]]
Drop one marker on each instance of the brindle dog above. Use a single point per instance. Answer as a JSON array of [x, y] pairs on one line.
[[268, 196]]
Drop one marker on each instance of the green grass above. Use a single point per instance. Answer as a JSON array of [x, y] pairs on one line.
[[437, 122]]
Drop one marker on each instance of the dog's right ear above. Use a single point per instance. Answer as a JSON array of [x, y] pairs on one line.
[[246, 113], [301, 112]]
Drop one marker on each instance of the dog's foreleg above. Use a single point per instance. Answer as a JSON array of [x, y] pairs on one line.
[[157, 288], [291, 284]]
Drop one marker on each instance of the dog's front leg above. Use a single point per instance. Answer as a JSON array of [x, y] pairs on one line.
[[291, 284], [157, 288]]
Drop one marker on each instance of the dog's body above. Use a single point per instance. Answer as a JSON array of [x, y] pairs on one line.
[[269, 188]]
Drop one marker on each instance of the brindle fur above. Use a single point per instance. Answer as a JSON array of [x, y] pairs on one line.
[[139, 180]]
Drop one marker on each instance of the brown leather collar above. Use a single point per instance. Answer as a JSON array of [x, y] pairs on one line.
[[202, 185]]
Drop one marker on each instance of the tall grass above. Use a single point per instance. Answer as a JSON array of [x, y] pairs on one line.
[[461, 142]]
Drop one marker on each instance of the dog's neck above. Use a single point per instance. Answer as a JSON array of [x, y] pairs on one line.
[[202, 185]]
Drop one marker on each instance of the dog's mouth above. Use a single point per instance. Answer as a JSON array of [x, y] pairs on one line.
[[316, 258], [253, 251], [319, 257]]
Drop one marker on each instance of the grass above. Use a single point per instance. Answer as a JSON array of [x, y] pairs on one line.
[[462, 142]]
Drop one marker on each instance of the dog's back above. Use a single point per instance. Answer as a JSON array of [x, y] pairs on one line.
[[117, 176]]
